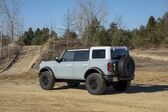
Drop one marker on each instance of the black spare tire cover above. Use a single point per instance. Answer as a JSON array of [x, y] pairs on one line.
[[126, 66]]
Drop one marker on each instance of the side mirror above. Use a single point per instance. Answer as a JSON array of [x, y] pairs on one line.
[[57, 59]]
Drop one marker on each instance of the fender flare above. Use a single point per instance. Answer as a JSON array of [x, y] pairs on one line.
[[45, 69], [94, 69]]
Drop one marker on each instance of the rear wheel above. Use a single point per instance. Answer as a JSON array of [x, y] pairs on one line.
[[121, 86], [73, 84], [95, 84], [47, 80]]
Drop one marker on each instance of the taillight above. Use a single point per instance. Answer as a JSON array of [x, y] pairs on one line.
[[109, 67]]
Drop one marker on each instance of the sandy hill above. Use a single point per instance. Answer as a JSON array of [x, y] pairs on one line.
[[27, 57]]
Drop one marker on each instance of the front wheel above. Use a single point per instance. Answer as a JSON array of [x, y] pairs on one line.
[[121, 86], [47, 80], [95, 84]]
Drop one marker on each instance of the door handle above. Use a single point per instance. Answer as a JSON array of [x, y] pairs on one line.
[[69, 65], [85, 65]]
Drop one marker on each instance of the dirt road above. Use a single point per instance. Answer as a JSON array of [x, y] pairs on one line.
[[21, 93]]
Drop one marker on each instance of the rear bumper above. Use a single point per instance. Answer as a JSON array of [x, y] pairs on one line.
[[116, 78]]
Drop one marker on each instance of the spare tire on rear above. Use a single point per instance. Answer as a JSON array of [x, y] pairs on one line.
[[126, 67]]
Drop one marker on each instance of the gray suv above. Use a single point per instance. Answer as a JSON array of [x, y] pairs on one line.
[[98, 67]]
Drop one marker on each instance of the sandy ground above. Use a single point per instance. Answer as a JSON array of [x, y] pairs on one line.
[[22, 93]]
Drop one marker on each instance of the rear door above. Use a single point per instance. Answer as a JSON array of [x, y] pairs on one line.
[[81, 63], [65, 67]]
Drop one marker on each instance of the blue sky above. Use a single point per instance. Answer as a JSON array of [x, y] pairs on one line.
[[38, 13]]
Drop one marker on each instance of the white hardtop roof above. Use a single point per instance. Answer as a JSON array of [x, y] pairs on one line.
[[77, 49], [100, 47], [110, 47]]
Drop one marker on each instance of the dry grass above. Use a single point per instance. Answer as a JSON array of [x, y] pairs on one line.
[[151, 60]]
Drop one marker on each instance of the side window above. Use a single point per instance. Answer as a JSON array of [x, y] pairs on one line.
[[81, 56], [98, 54], [68, 56]]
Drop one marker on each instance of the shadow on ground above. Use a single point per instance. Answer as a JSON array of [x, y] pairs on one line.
[[138, 88], [134, 88]]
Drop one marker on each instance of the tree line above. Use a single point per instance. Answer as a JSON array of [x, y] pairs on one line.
[[37, 37], [154, 34]]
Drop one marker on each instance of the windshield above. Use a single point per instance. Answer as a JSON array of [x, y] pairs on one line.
[[118, 53]]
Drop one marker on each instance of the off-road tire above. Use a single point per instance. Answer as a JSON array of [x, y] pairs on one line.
[[126, 67], [95, 84], [73, 84], [121, 86], [47, 80]]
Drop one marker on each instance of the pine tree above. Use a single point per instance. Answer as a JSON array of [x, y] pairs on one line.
[[102, 37], [89, 35], [151, 24], [28, 37], [53, 34], [70, 35]]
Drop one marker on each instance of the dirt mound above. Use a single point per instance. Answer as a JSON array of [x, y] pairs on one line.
[[27, 57], [31, 56], [54, 48]]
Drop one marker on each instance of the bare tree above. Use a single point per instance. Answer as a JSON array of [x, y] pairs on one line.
[[52, 25], [1, 31], [68, 18], [12, 15], [10, 27], [84, 13], [68, 24], [118, 20]]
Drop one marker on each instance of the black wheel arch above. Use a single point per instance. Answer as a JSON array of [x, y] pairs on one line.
[[46, 69], [93, 70]]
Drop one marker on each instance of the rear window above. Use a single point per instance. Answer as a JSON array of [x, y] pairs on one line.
[[118, 53], [98, 54]]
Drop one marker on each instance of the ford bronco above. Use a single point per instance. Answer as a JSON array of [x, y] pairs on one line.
[[98, 67]]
